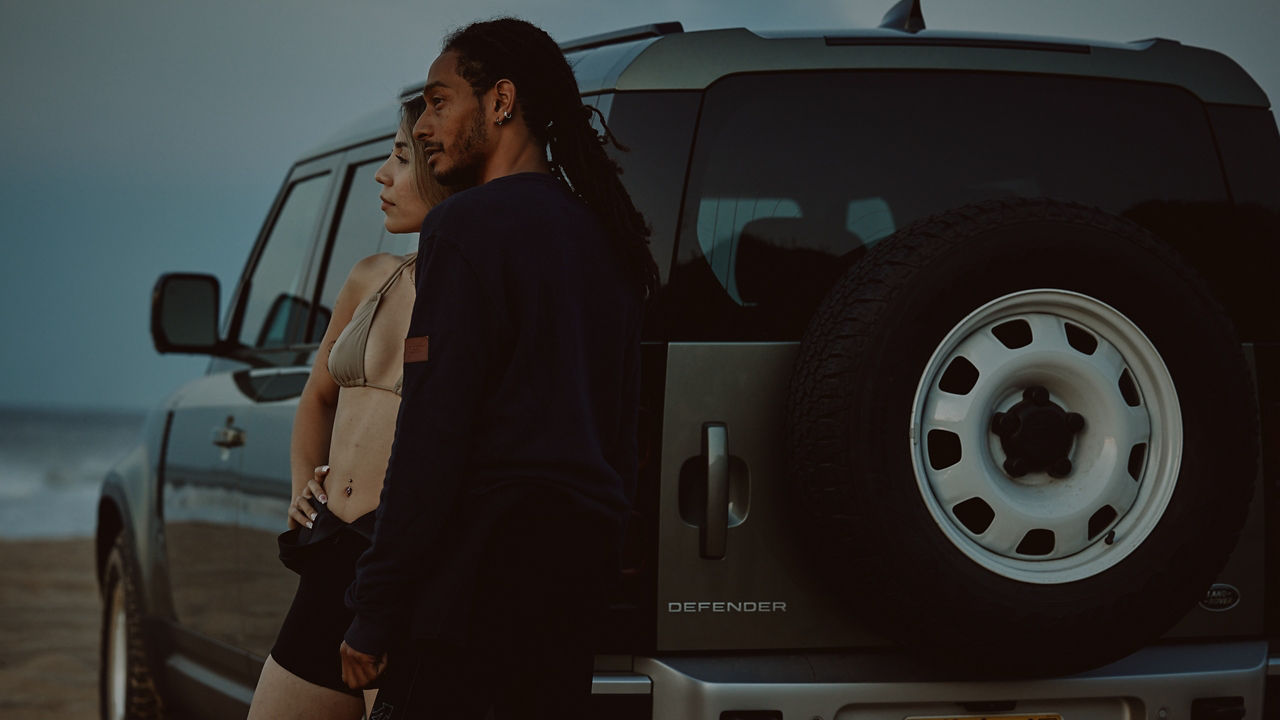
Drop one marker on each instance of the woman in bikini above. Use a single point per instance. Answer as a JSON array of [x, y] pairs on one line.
[[342, 436]]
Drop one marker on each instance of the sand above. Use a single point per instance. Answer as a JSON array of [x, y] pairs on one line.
[[49, 618]]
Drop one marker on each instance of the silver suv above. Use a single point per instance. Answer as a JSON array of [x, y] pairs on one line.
[[953, 391]]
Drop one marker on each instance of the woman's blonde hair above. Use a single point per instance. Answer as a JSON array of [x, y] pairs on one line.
[[431, 191]]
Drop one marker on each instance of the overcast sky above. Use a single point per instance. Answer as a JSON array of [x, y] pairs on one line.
[[144, 136]]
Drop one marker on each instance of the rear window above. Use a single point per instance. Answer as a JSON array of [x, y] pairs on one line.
[[794, 176]]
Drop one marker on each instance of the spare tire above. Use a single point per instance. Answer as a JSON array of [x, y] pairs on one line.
[[1024, 433]]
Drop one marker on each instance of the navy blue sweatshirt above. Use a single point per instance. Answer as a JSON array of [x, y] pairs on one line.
[[521, 369]]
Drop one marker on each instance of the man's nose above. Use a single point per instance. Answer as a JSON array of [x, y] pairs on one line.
[[422, 128]]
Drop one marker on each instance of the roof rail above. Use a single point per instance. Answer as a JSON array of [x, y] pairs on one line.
[[905, 16], [620, 36]]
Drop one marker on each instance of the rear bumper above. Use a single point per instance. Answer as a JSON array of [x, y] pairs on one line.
[[1161, 683]]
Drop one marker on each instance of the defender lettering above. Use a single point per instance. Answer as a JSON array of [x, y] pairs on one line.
[[762, 606]]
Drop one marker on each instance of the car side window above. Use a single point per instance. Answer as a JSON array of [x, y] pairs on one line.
[[275, 307], [360, 233]]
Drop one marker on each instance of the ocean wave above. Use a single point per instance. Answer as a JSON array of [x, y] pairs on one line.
[[67, 514], [51, 468]]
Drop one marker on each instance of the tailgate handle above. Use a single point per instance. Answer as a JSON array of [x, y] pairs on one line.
[[715, 449]]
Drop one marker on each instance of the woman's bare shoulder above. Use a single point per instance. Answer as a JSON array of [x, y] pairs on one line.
[[369, 273]]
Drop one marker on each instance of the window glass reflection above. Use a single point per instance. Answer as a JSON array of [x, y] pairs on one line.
[[275, 312], [795, 176]]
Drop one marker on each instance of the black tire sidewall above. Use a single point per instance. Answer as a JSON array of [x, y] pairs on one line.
[[140, 699], [940, 597]]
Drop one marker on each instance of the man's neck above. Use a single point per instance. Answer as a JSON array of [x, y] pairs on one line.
[[494, 170], [515, 155]]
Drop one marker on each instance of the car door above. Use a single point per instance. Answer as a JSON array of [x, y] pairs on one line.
[[265, 488], [218, 421]]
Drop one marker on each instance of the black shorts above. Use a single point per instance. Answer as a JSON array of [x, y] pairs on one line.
[[324, 556]]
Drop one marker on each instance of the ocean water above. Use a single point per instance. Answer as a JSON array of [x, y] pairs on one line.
[[52, 462]]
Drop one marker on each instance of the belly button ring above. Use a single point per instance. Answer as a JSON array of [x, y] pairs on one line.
[[348, 491]]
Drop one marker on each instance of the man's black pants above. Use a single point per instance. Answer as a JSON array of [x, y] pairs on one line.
[[542, 584]]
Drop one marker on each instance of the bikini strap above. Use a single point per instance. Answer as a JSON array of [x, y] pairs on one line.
[[391, 280]]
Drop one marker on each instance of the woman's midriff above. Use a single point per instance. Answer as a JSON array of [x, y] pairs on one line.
[[363, 429]]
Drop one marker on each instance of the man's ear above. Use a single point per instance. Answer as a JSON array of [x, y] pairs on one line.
[[504, 104]]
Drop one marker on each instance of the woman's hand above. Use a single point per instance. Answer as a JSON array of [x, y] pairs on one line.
[[301, 511]]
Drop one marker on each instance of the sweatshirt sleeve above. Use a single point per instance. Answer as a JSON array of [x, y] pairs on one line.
[[448, 354], [628, 460]]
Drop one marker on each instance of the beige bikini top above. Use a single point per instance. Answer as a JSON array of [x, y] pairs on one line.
[[347, 358]]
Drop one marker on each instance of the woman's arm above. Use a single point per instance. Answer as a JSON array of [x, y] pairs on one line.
[[313, 422]]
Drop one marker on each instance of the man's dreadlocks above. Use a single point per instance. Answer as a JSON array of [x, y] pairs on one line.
[[547, 95]]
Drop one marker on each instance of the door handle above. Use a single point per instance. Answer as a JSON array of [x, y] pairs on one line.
[[228, 437], [715, 528]]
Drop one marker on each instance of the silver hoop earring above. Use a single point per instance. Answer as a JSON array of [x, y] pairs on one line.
[[505, 117]]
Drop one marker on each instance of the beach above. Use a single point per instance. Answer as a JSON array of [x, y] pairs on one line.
[[49, 618], [52, 462]]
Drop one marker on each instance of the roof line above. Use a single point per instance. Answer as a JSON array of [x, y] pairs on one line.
[[620, 36]]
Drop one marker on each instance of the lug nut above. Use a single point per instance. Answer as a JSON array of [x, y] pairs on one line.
[[1060, 468], [1075, 422], [1005, 424], [1015, 467]]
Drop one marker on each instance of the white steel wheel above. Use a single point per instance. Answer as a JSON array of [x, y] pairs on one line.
[[115, 657], [1047, 436], [126, 690]]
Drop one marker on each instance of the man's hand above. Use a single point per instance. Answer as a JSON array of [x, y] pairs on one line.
[[358, 669]]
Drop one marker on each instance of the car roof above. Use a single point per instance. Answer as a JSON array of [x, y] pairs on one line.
[[663, 57], [688, 61]]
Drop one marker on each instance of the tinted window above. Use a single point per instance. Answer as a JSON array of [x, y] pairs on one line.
[[653, 167], [360, 233], [794, 176], [359, 230], [1241, 260], [658, 129], [275, 309]]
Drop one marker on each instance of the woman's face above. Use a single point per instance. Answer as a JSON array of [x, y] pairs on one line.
[[401, 202]]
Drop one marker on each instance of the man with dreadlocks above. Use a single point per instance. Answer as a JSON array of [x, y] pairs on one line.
[[514, 464]]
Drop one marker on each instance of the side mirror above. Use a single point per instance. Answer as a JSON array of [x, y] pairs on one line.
[[184, 314]]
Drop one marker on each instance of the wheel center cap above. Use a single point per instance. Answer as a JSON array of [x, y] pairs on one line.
[[1037, 434]]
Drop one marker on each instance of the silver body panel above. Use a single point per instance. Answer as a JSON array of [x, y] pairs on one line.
[[692, 61], [760, 594], [1158, 682]]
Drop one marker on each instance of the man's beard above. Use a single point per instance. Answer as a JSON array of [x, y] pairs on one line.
[[469, 159]]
